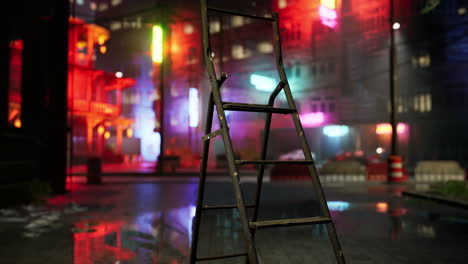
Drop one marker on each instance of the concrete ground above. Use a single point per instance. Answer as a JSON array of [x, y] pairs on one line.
[[148, 220]]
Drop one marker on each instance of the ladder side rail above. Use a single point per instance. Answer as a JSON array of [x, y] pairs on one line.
[[266, 134], [305, 145], [252, 254], [201, 183]]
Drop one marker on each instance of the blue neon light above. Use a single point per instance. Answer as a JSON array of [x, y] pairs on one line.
[[263, 83], [335, 130]]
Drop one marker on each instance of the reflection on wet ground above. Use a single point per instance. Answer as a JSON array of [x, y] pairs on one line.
[[151, 223]]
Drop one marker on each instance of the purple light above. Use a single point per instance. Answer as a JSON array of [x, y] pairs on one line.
[[328, 16], [313, 119]]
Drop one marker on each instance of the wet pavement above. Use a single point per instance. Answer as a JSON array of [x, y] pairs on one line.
[[150, 222]]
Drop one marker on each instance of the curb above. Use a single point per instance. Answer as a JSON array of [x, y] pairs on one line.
[[437, 198]]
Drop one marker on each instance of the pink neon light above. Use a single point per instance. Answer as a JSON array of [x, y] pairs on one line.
[[328, 16], [310, 119], [386, 129]]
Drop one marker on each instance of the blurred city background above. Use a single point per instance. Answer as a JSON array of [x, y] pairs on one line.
[[116, 91], [337, 60]]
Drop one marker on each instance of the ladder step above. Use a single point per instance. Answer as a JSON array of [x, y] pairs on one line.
[[290, 222], [222, 256], [265, 162], [257, 108], [229, 206]]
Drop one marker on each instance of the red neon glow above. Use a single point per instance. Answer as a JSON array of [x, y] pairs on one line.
[[311, 119], [386, 129]]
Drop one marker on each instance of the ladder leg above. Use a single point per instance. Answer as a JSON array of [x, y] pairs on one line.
[[262, 168], [201, 184], [305, 145], [252, 252]]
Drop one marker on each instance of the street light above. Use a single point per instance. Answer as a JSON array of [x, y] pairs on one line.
[[396, 26]]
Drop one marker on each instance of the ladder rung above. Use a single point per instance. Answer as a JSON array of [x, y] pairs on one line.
[[238, 14], [229, 206], [265, 162], [290, 222], [222, 256], [257, 108]]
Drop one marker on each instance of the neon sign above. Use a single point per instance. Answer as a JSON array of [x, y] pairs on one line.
[[328, 14], [193, 107], [311, 119], [335, 130], [262, 83]]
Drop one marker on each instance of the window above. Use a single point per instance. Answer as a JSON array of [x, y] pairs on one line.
[[239, 52], [322, 69], [265, 47], [192, 58], [103, 7], [80, 2], [323, 107], [314, 108], [313, 70], [188, 28], [93, 6], [116, 2], [331, 107], [115, 25], [237, 21], [215, 26], [282, 3]]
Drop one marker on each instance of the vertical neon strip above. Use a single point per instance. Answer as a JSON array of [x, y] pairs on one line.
[[193, 107], [157, 44]]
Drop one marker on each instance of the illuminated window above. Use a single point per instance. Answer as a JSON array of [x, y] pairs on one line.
[[80, 2], [93, 6], [188, 29], [265, 47], [115, 25], [428, 100], [282, 3], [237, 21], [422, 103], [103, 7], [215, 26], [424, 61], [239, 52], [116, 2]]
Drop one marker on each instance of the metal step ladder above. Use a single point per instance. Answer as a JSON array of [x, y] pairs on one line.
[[250, 226]]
